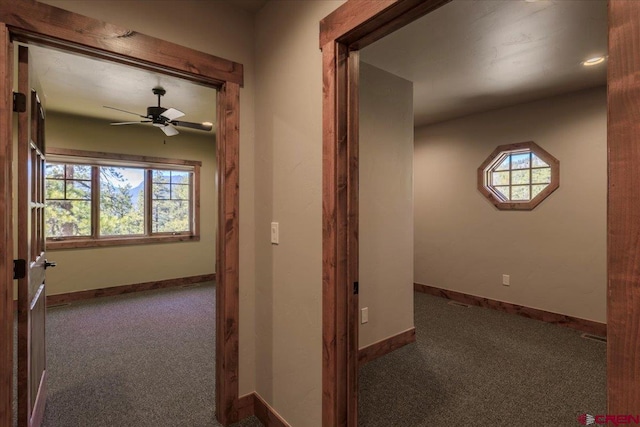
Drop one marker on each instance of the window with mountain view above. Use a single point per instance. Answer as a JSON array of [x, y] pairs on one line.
[[132, 200], [518, 176]]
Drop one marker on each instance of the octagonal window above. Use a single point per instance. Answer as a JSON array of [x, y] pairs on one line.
[[518, 176]]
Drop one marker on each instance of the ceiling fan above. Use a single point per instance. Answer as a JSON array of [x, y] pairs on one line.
[[164, 118]]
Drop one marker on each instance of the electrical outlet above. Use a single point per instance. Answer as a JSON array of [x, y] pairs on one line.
[[275, 233], [506, 280], [365, 314]]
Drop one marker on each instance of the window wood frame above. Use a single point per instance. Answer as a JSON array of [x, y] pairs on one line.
[[528, 146], [95, 160]]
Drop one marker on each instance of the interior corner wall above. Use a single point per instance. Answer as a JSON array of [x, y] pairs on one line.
[[555, 254], [217, 28], [289, 191], [94, 268], [385, 204]]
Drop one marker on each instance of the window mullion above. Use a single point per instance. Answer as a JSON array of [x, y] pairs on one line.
[[95, 202], [148, 196]]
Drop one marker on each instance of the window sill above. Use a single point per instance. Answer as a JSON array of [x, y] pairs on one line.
[[118, 241]]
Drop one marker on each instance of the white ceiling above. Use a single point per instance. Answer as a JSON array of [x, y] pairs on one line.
[[476, 55], [81, 85]]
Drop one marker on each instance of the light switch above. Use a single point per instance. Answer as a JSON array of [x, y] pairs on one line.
[[365, 315], [275, 233]]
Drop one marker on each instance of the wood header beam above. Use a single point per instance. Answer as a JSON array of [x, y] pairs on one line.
[[358, 23], [31, 20]]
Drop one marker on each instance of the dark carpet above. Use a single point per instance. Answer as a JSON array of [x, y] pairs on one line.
[[144, 359], [147, 359], [481, 367]]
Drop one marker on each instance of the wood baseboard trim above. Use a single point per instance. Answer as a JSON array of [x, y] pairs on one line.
[[385, 346], [126, 289], [246, 406], [252, 404], [576, 323]]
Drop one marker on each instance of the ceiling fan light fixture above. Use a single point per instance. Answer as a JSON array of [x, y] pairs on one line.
[[593, 61], [164, 118]]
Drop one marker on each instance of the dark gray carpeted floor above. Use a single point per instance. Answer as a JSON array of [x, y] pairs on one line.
[[144, 359], [129, 361], [480, 367]]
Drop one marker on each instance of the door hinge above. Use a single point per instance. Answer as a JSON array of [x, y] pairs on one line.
[[19, 269], [356, 288], [19, 102]]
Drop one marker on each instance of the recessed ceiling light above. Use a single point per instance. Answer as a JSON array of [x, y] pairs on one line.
[[593, 61]]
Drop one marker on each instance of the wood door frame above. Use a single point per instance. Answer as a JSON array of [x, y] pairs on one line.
[[357, 24], [32, 22]]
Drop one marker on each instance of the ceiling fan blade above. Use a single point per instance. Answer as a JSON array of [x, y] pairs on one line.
[[169, 130], [125, 111], [130, 123], [172, 114], [200, 126]]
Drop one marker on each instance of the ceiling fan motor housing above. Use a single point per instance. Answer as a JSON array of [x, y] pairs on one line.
[[154, 114]]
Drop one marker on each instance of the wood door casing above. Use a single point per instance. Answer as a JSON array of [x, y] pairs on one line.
[[6, 227], [32, 373]]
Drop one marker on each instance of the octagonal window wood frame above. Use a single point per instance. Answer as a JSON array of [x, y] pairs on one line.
[[528, 146]]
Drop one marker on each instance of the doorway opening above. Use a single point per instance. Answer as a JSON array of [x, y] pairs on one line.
[[124, 212], [37, 23], [340, 40]]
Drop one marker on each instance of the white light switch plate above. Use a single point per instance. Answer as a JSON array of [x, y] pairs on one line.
[[365, 314], [275, 233]]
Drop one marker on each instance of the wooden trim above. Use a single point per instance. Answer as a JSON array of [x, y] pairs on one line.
[[38, 412], [27, 128], [623, 213], [6, 227], [553, 163], [33, 21], [334, 231], [70, 297], [266, 414], [360, 23], [253, 404], [353, 214], [386, 346], [589, 326], [80, 243], [228, 254], [116, 157], [246, 407]]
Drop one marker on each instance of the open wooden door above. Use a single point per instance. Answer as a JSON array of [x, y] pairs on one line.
[[32, 372]]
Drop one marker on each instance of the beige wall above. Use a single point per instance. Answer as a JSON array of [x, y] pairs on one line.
[[555, 254], [93, 268], [289, 191], [386, 204], [219, 29]]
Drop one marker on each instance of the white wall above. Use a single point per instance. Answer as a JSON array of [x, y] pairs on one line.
[[94, 268], [289, 190], [555, 254], [386, 204], [217, 28]]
